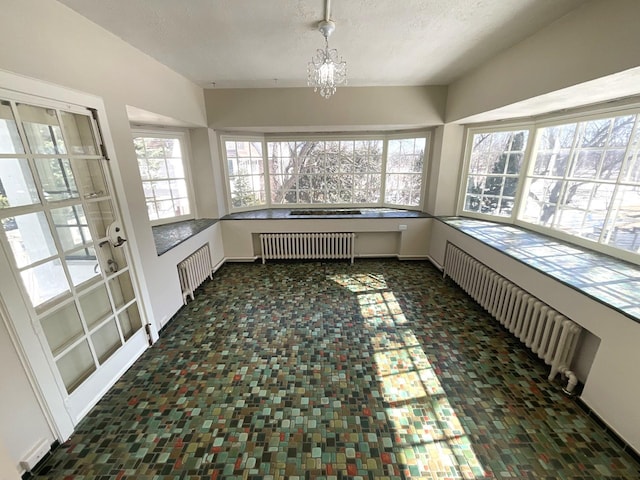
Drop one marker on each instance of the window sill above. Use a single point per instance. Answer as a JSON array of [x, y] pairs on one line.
[[287, 214], [608, 280], [170, 235]]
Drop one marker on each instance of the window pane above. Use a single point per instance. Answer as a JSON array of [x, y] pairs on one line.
[[161, 190], [79, 133], [624, 228], [541, 200], [106, 341], [165, 209], [9, 138], [122, 289], [147, 187], [495, 164], [90, 177], [178, 188], [156, 168], [151, 211], [76, 365], [101, 215], [56, 177], [181, 206], [95, 306], [83, 265], [175, 168], [71, 226], [162, 170], [612, 164], [554, 146], [62, 327], [586, 159], [586, 164], [42, 129], [130, 321], [631, 170], [30, 238], [16, 183], [45, 282], [246, 176]]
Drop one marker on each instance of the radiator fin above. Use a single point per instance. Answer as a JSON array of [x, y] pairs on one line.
[[550, 335], [194, 270], [303, 246]]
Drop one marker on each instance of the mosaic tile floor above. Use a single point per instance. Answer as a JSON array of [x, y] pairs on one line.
[[377, 370]]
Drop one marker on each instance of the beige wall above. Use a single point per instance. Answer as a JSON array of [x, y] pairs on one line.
[[59, 46], [300, 109], [378, 237], [444, 167], [599, 38], [45, 40], [22, 420]]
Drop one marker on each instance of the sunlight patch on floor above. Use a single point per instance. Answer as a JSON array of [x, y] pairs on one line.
[[429, 440]]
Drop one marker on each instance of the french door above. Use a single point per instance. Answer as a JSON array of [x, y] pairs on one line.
[[61, 233]]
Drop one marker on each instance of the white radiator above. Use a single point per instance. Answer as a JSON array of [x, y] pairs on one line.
[[285, 246], [547, 333], [194, 270]]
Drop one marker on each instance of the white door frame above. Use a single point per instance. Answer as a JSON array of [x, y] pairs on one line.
[[61, 413]]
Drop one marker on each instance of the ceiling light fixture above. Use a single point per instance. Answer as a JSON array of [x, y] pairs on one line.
[[326, 70]]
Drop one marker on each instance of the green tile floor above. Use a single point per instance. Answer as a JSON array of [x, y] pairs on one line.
[[377, 370]]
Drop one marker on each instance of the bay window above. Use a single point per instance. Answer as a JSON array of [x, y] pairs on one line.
[[358, 170], [579, 180]]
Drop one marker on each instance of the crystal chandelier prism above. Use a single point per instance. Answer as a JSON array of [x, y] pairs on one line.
[[326, 70]]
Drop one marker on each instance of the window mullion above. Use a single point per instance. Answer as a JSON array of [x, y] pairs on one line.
[[383, 173], [266, 176], [526, 168]]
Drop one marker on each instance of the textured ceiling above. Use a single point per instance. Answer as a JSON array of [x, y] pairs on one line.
[[268, 43]]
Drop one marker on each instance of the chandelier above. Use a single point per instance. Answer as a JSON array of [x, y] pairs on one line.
[[326, 70]]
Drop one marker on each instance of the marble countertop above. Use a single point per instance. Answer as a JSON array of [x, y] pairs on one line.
[[172, 234], [286, 214], [604, 278]]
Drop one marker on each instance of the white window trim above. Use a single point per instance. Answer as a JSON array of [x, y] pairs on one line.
[[464, 177], [426, 161], [266, 138], [185, 146], [223, 138], [534, 126]]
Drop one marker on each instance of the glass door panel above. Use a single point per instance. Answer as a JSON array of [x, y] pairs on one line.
[[79, 134], [83, 265], [30, 238], [56, 177], [106, 340], [71, 226], [17, 187], [45, 282], [76, 365], [55, 210], [130, 321], [100, 216], [62, 327], [121, 289], [90, 178], [95, 306], [42, 129], [10, 141]]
